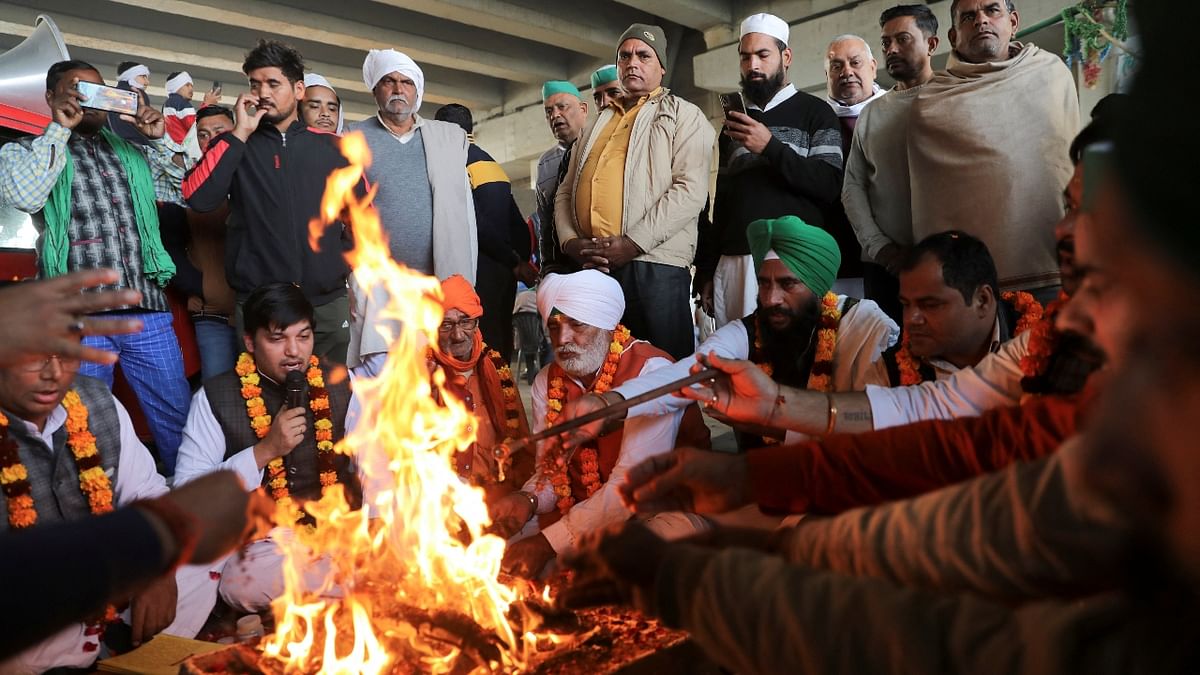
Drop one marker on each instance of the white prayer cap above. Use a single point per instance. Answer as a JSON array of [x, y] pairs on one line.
[[380, 62], [590, 296], [767, 24], [176, 83], [131, 74], [315, 80]]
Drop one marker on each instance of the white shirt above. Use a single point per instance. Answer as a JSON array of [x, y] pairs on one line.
[[136, 476], [643, 437], [864, 333], [779, 97], [993, 382]]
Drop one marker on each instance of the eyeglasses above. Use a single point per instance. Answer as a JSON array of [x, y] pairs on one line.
[[37, 366], [465, 325]]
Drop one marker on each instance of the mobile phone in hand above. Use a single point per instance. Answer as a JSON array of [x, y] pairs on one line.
[[216, 88], [733, 102], [100, 97]]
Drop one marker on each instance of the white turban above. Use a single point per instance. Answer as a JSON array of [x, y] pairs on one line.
[[315, 80], [131, 74], [380, 62], [590, 296], [176, 83], [767, 24]]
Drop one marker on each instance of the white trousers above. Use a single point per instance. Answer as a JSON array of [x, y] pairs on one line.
[[250, 582], [735, 288]]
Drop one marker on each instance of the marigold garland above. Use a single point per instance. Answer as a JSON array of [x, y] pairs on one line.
[[1043, 339], [1029, 312], [260, 421], [554, 464], [94, 483], [820, 376]]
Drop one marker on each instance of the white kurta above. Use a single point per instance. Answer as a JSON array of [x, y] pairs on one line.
[[136, 478], [643, 437]]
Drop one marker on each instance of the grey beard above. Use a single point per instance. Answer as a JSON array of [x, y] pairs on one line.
[[586, 363]]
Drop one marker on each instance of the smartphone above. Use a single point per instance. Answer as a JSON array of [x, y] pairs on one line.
[[111, 99], [216, 88], [733, 102]]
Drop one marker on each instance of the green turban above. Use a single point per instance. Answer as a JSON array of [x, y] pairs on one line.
[[603, 75], [809, 252], [560, 87]]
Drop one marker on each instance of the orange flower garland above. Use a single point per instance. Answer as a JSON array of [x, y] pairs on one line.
[[1043, 339], [1029, 309], [909, 365], [15, 481], [93, 482], [260, 421], [508, 389], [554, 464]]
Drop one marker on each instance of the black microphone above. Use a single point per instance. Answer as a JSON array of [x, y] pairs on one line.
[[294, 383]]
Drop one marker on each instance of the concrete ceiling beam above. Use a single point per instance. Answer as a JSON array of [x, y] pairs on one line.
[[698, 14]]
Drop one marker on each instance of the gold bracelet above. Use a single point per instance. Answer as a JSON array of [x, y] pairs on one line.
[[832, 413]]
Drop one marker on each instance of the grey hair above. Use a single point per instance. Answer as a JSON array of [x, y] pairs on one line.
[[847, 36]]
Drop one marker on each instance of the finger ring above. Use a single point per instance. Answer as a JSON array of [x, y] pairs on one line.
[[76, 326], [714, 398]]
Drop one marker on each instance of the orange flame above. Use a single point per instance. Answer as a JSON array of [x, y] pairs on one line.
[[405, 548]]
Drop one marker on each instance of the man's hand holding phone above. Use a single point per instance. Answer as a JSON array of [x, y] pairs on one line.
[[247, 116], [66, 105], [744, 129]]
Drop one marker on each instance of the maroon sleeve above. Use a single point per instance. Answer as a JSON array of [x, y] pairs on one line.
[[845, 471]]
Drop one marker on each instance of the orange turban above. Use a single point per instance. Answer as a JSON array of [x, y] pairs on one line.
[[457, 293]]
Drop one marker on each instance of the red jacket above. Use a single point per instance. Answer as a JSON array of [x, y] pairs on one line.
[[845, 471]]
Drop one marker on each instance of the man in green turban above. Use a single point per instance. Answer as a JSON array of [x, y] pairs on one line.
[[566, 113], [801, 333]]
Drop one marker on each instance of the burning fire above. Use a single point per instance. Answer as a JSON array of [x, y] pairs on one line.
[[412, 581]]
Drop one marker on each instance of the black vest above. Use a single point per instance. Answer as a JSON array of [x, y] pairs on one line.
[[224, 394], [53, 475]]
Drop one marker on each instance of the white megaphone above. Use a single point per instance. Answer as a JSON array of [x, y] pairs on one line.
[[23, 68]]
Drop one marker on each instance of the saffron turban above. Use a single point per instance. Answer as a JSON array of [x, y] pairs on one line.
[[176, 83], [458, 294], [767, 24], [380, 62], [808, 252], [589, 296]]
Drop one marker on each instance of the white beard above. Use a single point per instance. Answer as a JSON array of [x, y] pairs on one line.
[[586, 362]]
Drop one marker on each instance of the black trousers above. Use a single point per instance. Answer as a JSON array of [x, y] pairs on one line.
[[879, 285], [497, 289], [658, 305]]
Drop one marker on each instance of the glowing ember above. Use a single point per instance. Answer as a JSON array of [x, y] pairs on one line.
[[412, 582]]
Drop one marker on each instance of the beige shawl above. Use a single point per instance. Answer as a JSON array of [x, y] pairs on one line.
[[987, 153]]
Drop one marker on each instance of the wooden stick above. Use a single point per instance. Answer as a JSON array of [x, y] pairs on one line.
[[614, 409]]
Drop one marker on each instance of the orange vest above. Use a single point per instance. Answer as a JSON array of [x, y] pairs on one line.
[[692, 431]]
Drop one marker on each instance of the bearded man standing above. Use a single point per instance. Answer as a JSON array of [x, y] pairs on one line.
[[783, 157]]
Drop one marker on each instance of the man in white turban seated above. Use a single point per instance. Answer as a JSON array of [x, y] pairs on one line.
[[571, 494]]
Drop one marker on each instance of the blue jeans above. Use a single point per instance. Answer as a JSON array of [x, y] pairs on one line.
[[153, 364], [218, 345]]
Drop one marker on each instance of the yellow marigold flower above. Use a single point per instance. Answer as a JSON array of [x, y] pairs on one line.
[[328, 478], [555, 405], [323, 424], [12, 474], [325, 446]]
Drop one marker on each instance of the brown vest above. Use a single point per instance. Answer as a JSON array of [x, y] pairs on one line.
[[692, 430]]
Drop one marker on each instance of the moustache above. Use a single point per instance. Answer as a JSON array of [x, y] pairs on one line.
[[397, 98]]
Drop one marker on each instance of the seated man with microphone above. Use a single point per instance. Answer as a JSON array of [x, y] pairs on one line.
[[273, 420]]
